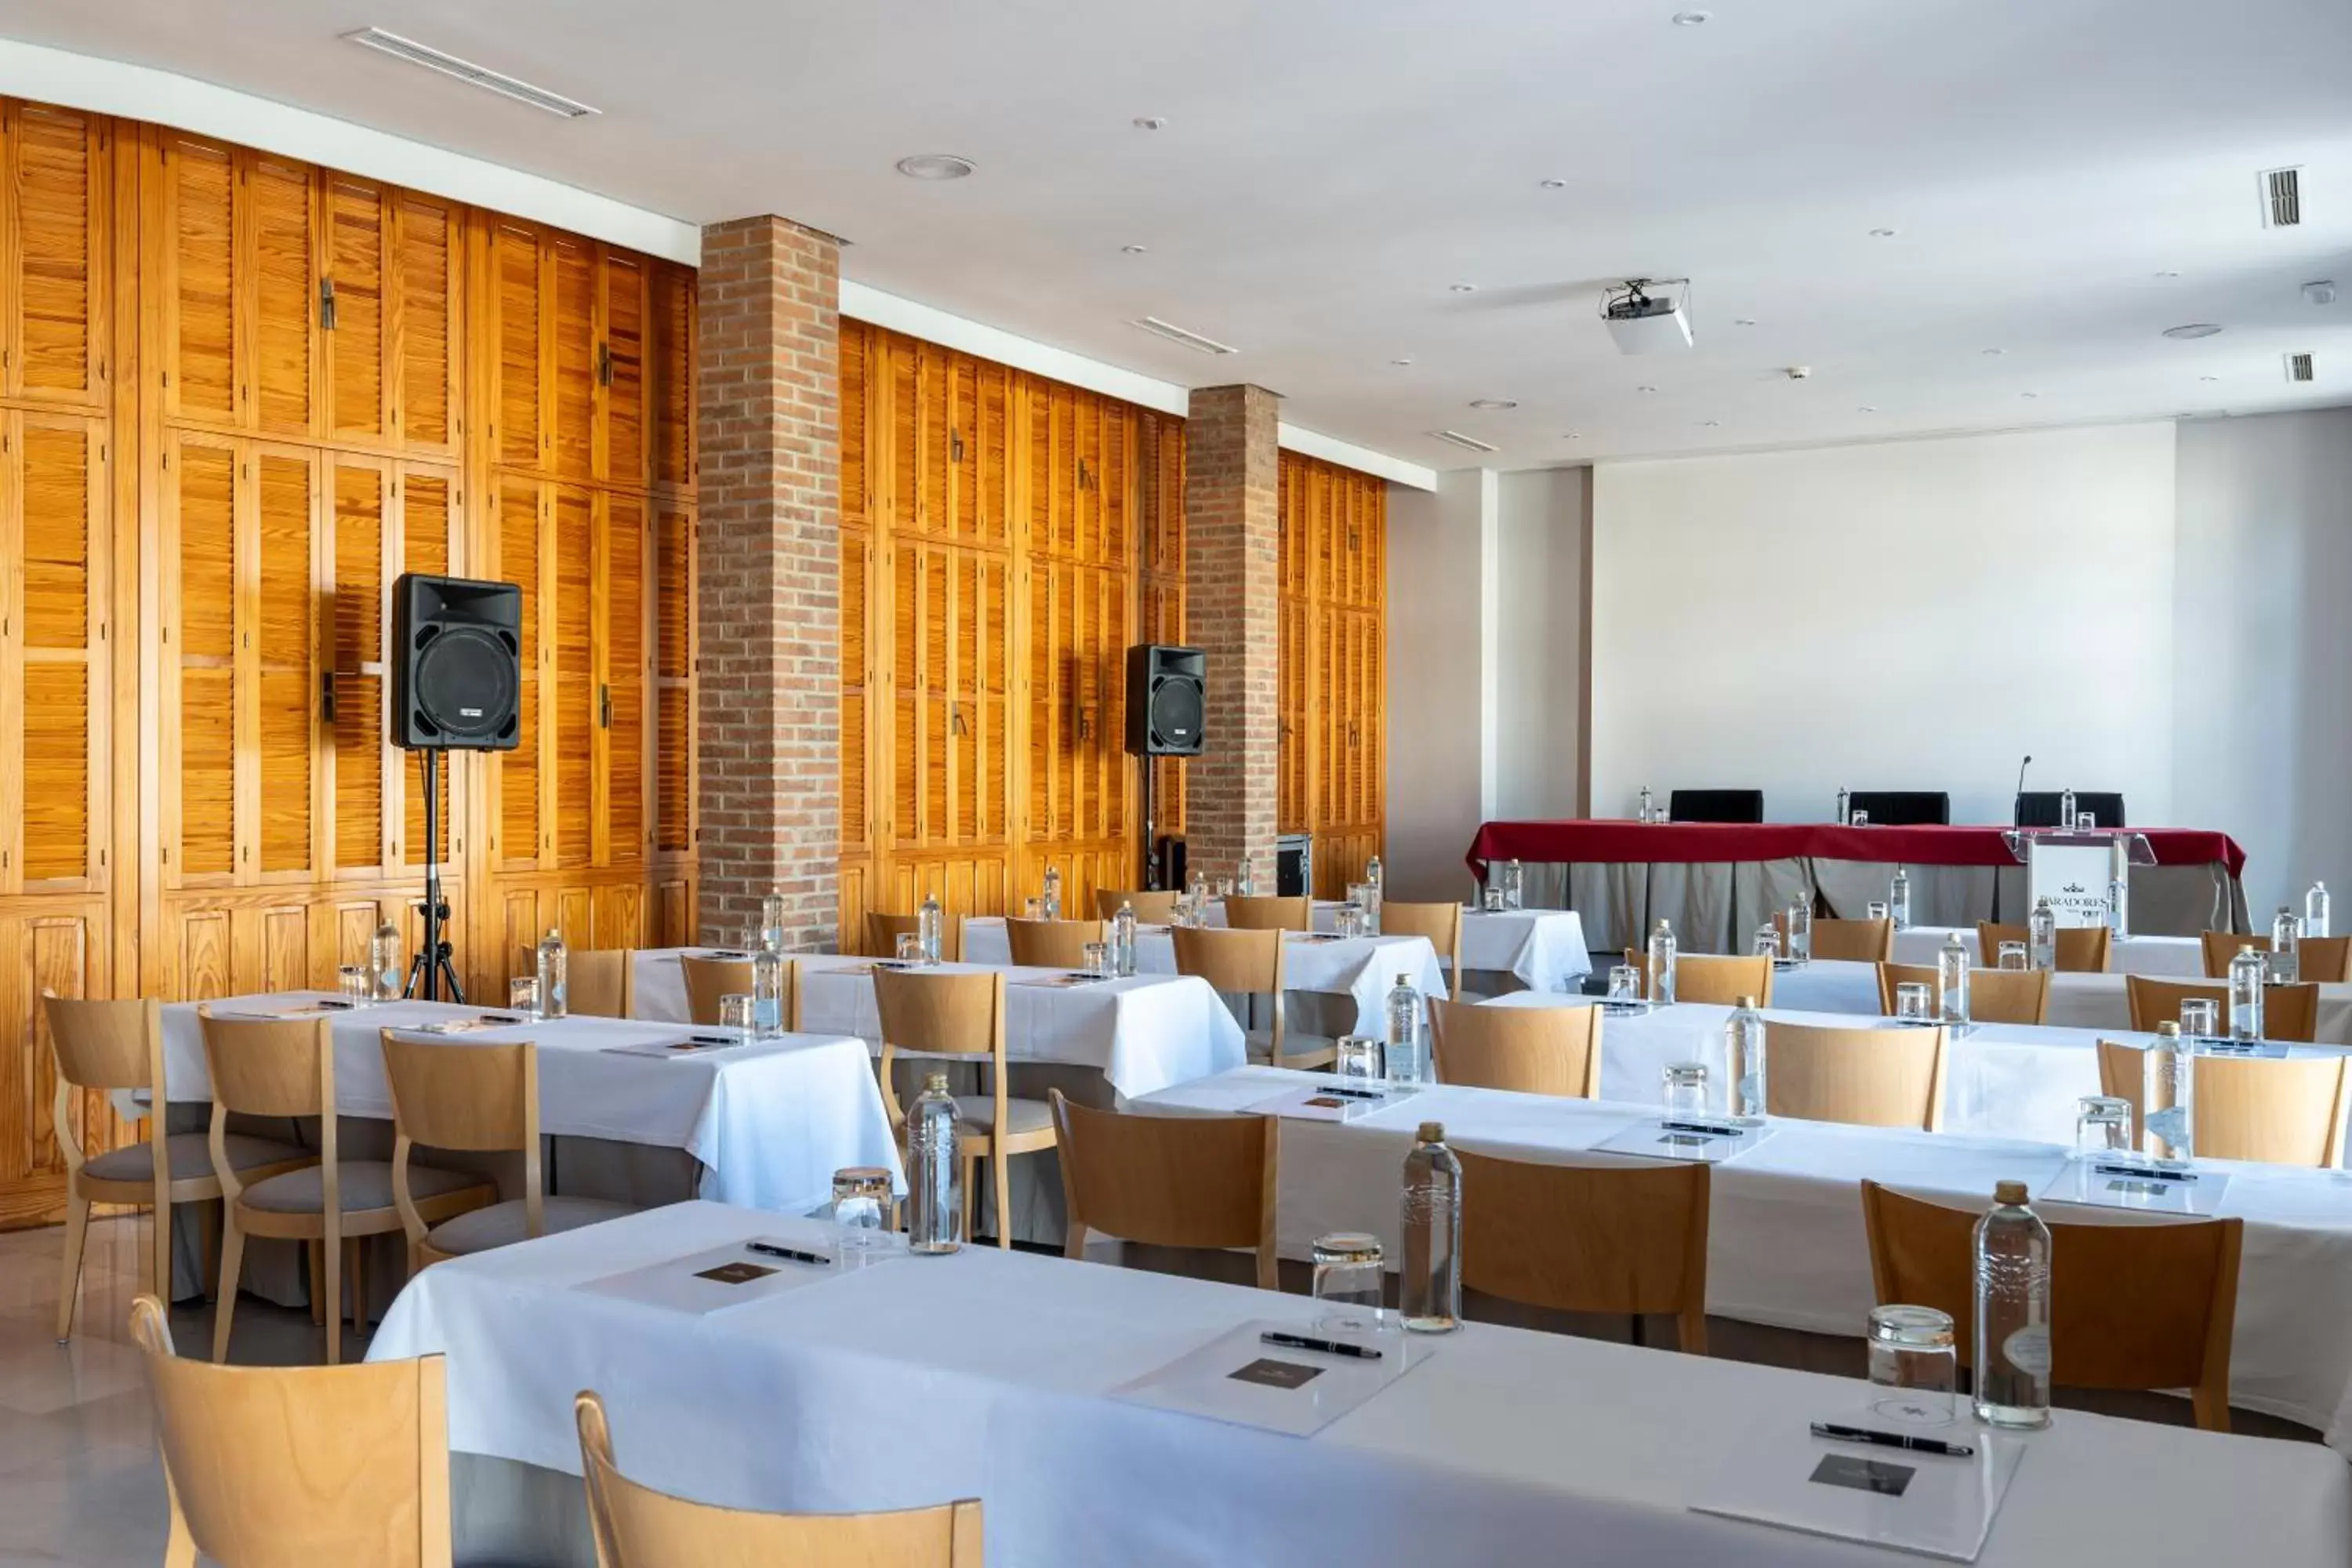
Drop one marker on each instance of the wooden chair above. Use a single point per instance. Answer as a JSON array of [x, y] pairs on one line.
[[1051, 945], [708, 979], [1858, 942], [299, 1466], [1712, 978], [107, 1046], [598, 981], [2081, 949], [961, 1014], [1152, 908], [1440, 922], [1590, 1238], [286, 1066], [2325, 960], [1246, 962], [2131, 1305], [1868, 1077], [1264, 912], [2283, 1113], [2289, 1012], [481, 1098], [1995, 996], [1170, 1181], [2221, 946], [882, 930], [638, 1527], [1528, 1051]]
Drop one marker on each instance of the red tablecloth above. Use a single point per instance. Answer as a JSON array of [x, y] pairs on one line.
[[1629, 843]]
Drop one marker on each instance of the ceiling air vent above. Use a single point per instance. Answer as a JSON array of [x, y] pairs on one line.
[[1176, 335], [416, 54], [1455, 438], [2282, 198], [2298, 367]]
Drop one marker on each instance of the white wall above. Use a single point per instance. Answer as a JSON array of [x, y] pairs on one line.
[[1539, 655], [2263, 647], [1908, 614], [1441, 691]]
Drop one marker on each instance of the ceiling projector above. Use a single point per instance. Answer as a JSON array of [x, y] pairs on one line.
[[1648, 315]]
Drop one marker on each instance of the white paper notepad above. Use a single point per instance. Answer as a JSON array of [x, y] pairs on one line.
[[1240, 1379], [1702, 1139], [1780, 1474], [1328, 1102], [2149, 1192], [718, 1277]]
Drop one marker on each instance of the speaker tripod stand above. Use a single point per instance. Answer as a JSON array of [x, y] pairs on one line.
[[431, 968]]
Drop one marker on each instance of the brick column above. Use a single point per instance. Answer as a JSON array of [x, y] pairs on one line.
[[767, 577], [1233, 548]]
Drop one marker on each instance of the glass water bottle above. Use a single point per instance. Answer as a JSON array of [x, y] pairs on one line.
[[930, 928], [1898, 900], [1743, 1063], [1051, 905], [383, 962], [2066, 811], [934, 1174], [1515, 885], [2119, 908], [2286, 936], [1952, 979], [1648, 807], [2315, 911], [2167, 1116], [771, 922], [2041, 936], [1430, 1284], [1801, 926], [1122, 939], [1659, 975], [554, 977], [1407, 1058], [2246, 973], [767, 991], [2012, 1348], [1845, 806], [1373, 874]]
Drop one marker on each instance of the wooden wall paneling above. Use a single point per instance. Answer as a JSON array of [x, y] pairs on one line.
[[357, 224], [278, 229], [199, 276], [367, 557], [625, 770], [55, 301], [569, 692], [620, 915], [518, 511], [1160, 578], [857, 808], [199, 550], [672, 913], [429, 506], [672, 793], [519, 929], [288, 793], [1332, 681], [669, 362], [520, 374], [61, 950], [621, 452], [569, 314], [425, 353]]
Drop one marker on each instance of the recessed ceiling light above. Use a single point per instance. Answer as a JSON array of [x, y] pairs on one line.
[[1742, 321], [1406, 359], [1131, 249], [1176, 335], [448, 65], [1462, 288], [2167, 275], [1869, 408], [2208, 378], [935, 167], [1882, 234], [1553, 184], [1712, 424], [2029, 394], [1995, 352], [2194, 329], [1645, 389], [1149, 122], [1493, 403], [1573, 436], [1692, 18]]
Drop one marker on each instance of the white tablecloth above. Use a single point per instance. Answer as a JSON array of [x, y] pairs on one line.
[[2171, 957], [985, 1374], [2076, 1001], [2002, 1080], [1785, 1243], [1543, 950], [769, 1123]]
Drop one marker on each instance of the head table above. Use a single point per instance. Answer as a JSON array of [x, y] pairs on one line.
[[988, 1374]]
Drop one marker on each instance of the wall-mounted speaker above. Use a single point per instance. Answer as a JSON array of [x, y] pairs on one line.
[[457, 664], [1166, 697]]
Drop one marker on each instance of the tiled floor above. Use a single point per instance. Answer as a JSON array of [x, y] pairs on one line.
[[80, 1486]]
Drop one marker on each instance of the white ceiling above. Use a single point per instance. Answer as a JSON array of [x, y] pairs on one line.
[[1329, 168]]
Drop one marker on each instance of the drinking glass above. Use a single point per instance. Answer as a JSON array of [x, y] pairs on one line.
[[1098, 957], [1862, 819], [1224, 887], [1493, 900], [351, 980], [1914, 1365], [1347, 1282], [1033, 909], [1913, 999], [1625, 982], [1767, 941], [2200, 1017], [2086, 822], [2013, 955], [1348, 921], [1357, 1056], [2103, 1128], [910, 947], [522, 995], [1685, 1084], [1875, 909], [861, 1205], [735, 1016]]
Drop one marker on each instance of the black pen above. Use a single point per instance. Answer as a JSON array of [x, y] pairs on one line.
[[2146, 1174], [1309, 1343], [770, 1250], [1710, 1130], [1353, 1093], [1892, 1440]]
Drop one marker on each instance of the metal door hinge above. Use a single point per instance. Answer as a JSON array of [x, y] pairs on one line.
[[955, 446], [326, 304], [604, 706], [327, 695], [603, 364]]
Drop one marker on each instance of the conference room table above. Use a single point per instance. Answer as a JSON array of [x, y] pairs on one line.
[[1785, 1241], [1719, 881], [2158, 957], [1007, 1377]]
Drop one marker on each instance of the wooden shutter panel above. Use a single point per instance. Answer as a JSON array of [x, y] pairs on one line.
[[428, 514], [519, 400], [57, 254], [670, 358], [573, 698], [201, 610], [58, 480], [624, 676], [623, 370], [673, 680], [358, 653], [201, 365], [357, 401], [284, 643], [575, 359], [518, 534], [286, 272]]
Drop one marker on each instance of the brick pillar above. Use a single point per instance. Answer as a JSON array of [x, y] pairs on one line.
[[768, 578], [1231, 571]]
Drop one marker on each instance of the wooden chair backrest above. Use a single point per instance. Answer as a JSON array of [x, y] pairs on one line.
[[601, 982], [1530, 1050], [1859, 942], [638, 1527], [2326, 959], [106, 1044], [1995, 996], [1152, 908], [269, 1067], [1050, 944], [294, 1466], [1590, 1238], [1170, 1181], [708, 979], [1868, 1077], [2221, 946], [1265, 912], [1248, 962], [2081, 949], [2289, 1012], [1440, 922], [1712, 978], [2283, 1112], [450, 1096], [2131, 1305], [956, 1013]]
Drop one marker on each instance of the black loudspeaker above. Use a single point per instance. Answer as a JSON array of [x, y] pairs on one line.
[[1165, 701], [457, 664]]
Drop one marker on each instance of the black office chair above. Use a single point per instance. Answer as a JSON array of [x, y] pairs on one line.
[[2039, 808], [1717, 806], [1903, 807]]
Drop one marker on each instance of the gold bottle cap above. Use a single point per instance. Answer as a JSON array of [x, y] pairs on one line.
[[2008, 1191], [1748, 1001], [2168, 1029], [935, 1083], [1432, 1132]]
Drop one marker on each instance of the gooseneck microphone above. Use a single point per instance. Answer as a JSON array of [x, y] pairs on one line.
[[2022, 766]]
